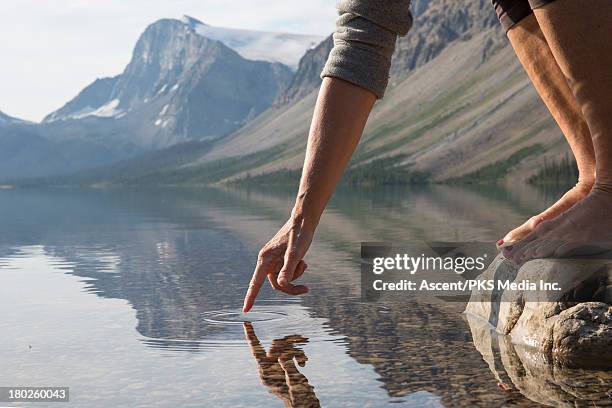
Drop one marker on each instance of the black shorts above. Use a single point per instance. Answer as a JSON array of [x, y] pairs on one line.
[[511, 12]]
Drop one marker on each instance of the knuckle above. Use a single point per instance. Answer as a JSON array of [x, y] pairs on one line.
[[269, 256], [264, 254]]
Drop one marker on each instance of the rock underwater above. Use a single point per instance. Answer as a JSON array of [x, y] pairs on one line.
[[522, 372], [570, 326]]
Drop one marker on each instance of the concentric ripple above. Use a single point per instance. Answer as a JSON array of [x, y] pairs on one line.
[[224, 328], [237, 317]]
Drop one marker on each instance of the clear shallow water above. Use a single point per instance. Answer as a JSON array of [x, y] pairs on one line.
[[132, 298]]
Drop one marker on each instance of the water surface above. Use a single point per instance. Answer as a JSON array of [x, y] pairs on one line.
[[132, 298]]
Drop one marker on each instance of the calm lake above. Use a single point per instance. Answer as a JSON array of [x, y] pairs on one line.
[[132, 299]]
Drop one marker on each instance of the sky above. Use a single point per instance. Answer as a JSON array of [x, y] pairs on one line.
[[50, 50]]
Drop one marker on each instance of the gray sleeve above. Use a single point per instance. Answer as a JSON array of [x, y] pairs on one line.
[[364, 41]]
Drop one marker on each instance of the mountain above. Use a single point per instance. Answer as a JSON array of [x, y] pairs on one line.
[[88, 102], [9, 120], [450, 112], [26, 152], [307, 77], [437, 24], [180, 85]]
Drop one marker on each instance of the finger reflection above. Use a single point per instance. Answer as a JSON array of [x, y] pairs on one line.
[[278, 370]]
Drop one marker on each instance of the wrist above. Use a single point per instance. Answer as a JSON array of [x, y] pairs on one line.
[[304, 217]]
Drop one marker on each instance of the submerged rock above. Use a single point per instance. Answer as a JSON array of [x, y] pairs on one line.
[[570, 324], [521, 370], [584, 333]]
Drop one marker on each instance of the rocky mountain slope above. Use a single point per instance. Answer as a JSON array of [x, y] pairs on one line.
[[459, 106], [450, 117], [437, 24], [307, 77]]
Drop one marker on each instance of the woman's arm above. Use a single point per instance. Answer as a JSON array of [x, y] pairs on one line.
[[340, 115], [355, 75]]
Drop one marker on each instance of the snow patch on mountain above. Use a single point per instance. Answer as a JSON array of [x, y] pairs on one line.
[[259, 45], [162, 89], [164, 110], [108, 110]]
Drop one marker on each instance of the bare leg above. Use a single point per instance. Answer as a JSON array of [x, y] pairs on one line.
[[536, 57], [579, 33]]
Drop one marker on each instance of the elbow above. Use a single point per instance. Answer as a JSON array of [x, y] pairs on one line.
[[361, 54]]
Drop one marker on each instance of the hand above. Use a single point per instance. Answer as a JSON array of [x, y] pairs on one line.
[[280, 260]]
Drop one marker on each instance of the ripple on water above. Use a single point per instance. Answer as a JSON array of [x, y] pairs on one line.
[[238, 317], [270, 321]]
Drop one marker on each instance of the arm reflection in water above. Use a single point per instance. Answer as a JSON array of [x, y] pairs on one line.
[[278, 371]]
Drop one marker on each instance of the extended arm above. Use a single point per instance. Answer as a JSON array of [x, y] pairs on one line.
[[355, 75], [340, 115]]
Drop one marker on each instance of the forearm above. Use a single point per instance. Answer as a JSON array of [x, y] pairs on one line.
[[355, 75], [340, 115]]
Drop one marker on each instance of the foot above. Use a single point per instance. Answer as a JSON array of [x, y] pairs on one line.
[[585, 229], [569, 199]]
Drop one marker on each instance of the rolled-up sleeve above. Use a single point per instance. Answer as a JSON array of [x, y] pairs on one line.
[[364, 41]]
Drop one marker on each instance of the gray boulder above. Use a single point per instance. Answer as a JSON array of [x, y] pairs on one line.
[[571, 325]]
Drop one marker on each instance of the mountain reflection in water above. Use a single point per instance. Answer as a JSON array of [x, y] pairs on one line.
[[179, 260]]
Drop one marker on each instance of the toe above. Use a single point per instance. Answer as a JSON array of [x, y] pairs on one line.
[[514, 252], [518, 254], [507, 251]]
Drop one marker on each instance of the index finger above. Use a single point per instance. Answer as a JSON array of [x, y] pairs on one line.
[[256, 348], [259, 276]]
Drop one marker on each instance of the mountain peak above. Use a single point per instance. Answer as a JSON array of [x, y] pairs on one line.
[[271, 46], [190, 21]]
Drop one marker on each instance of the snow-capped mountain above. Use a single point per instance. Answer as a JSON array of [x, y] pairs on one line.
[[285, 48], [179, 85], [167, 50]]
